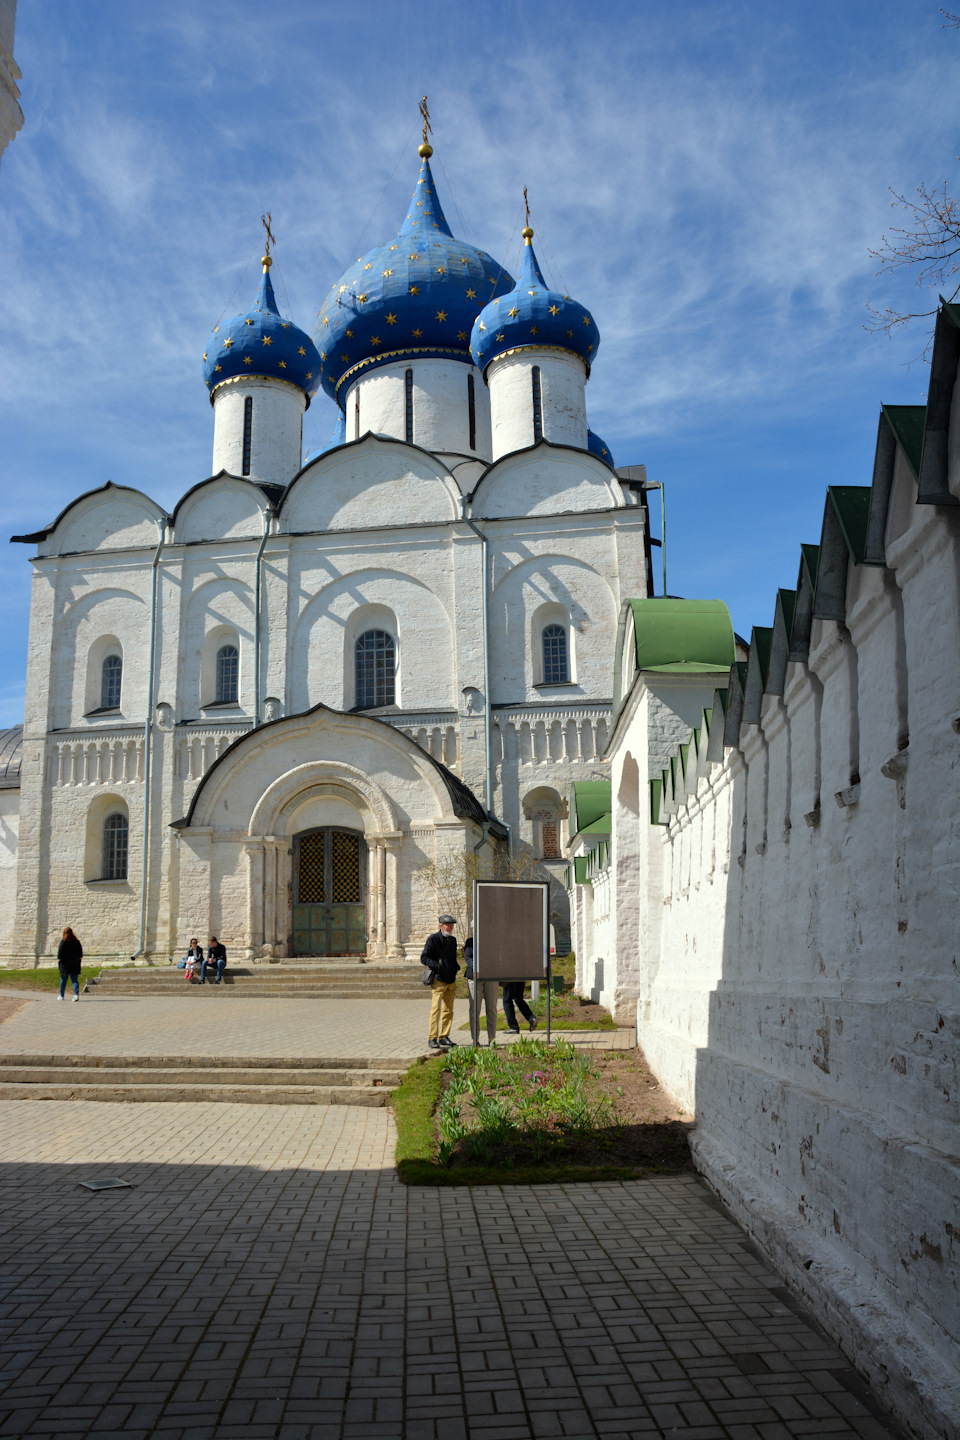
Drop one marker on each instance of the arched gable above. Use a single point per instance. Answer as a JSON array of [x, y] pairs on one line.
[[546, 479], [270, 773], [224, 507], [551, 587], [112, 517], [104, 614], [375, 481]]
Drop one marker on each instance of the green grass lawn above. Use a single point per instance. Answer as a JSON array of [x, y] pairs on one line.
[[45, 980], [503, 1116]]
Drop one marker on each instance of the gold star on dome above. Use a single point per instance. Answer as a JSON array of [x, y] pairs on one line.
[[586, 319], [248, 360], [419, 203], [323, 354], [413, 257], [248, 322], [414, 289], [368, 267], [441, 314], [417, 334], [342, 289], [391, 319], [513, 313], [204, 354], [325, 320], [603, 449], [554, 309], [534, 330], [531, 292], [301, 351], [227, 343], [374, 339], [349, 334], [441, 270], [388, 272], [463, 261], [218, 367], [500, 336], [569, 334], [344, 357], [309, 375], [394, 247], [471, 294], [266, 339], [482, 326], [216, 329], [461, 334], [361, 299], [589, 348], [283, 364], [413, 222]]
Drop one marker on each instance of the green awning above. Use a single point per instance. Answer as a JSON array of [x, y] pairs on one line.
[[682, 636], [589, 799]]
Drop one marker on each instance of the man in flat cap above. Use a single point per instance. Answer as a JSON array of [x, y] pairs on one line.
[[440, 957]]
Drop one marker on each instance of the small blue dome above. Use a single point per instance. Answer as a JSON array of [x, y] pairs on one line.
[[597, 447], [533, 316], [261, 343], [339, 437], [417, 294]]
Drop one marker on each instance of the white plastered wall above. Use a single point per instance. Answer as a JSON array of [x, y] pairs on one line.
[[276, 432], [563, 380], [440, 404]]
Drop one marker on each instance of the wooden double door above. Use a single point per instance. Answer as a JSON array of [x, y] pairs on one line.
[[329, 892]]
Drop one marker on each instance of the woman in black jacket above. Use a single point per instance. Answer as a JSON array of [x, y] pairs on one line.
[[69, 957]]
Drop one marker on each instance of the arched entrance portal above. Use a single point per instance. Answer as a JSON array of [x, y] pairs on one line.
[[329, 892]]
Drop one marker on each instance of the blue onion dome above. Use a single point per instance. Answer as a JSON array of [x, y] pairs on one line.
[[418, 294], [533, 316], [261, 343], [598, 447]]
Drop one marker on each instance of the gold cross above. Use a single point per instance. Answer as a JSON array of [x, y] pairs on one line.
[[425, 116], [265, 222], [526, 206]]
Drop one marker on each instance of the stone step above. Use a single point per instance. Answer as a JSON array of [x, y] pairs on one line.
[[53, 1074], [204, 1094], [351, 983], [197, 1063], [266, 993]]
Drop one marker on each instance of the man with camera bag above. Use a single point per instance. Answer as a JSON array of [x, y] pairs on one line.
[[440, 958]]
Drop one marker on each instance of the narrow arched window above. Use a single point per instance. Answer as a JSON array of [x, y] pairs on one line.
[[408, 406], [111, 679], [116, 837], [375, 669], [472, 411], [247, 432], [228, 674], [556, 670], [537, 406], [356, 415]]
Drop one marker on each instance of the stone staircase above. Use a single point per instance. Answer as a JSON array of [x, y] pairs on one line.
[[288, 980], [205, 1079]]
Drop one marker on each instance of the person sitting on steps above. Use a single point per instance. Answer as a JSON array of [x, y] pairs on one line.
[[216, 955], [440, 956]]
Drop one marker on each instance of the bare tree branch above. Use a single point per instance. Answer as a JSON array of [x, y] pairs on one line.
[[928, 245]]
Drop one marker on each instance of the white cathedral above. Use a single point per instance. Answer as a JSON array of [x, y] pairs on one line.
[[261, 716]]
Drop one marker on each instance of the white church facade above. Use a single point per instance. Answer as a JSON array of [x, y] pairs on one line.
[[262, 715]]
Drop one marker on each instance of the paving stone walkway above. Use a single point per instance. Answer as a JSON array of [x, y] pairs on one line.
[[388, 1029], [268, 1276]]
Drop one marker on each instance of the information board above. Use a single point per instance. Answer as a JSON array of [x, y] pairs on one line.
[[511, 937]]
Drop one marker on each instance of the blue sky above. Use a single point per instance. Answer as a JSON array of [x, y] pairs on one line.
[[707, 178]]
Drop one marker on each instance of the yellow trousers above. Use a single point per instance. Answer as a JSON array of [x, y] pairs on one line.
[[441, 1009]]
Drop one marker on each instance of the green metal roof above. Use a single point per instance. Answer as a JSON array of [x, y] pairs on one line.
[[589, 800], [682, 636], [656, 789], [602, 826], [852, 504], [907, 423]]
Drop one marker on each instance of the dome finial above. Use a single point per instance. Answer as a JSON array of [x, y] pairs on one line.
[[265, 260], [426, 149], [526, 232]]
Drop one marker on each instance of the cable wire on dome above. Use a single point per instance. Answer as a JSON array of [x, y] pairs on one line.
[[236, 287], [555, 268], [386, 187]]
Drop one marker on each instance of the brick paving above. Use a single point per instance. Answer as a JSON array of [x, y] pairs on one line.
[[389, 1029], [268, 1276]]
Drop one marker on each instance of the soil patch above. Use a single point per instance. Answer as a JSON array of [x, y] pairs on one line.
[[9, 1007]]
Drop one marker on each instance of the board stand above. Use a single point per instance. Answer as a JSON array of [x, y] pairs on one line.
[[549, 997]]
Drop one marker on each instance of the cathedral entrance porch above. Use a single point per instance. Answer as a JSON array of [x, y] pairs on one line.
[[329, 910]]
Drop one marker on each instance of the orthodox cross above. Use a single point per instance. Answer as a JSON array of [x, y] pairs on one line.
[[265, 222], [526, 206], [425, 116]]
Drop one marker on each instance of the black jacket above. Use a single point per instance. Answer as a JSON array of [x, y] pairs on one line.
[[217, 952], [69, 956], [468, 957], [440, 956]]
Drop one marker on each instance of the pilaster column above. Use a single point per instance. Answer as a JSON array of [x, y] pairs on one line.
[[391, 845], [254, 941], [270, 882]]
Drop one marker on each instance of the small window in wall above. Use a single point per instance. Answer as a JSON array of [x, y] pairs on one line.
[[116, 836], [356, 415], [228, 675], [537, 406], [546, 834], [472, 411], [408, 407], [375, 668], [247, 432], [556, 668], [111, 678]]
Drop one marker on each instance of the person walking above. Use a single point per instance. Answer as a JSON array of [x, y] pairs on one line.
[[440, 956], [488, 996], [513, 996], [69, 958], [216, 955]]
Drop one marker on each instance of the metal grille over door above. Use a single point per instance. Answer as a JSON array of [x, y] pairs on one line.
[[329, 911]]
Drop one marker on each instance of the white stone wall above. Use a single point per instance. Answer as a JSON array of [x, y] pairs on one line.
[[441, 414], [791, 934], [563, 404], [276, 430], [9, 828]]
